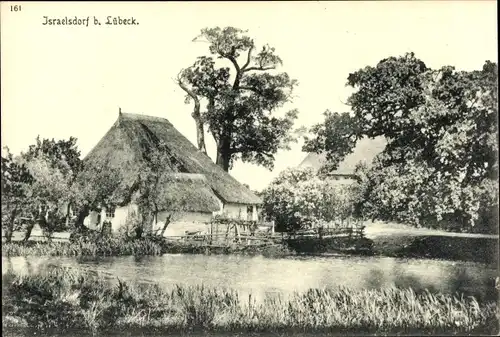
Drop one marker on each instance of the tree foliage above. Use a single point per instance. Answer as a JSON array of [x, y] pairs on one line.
[[440, 164], [42, 183], [339, 132], [16, 191], [62, 154], [240, 103], [94, 187], [299, 198], [38, 182], [54, 166]]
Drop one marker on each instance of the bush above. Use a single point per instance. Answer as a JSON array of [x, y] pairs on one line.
[[299, 198]]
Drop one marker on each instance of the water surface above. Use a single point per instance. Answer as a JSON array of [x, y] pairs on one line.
[[259, 275]]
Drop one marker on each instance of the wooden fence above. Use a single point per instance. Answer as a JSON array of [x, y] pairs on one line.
[[228, 232], [322, 233]]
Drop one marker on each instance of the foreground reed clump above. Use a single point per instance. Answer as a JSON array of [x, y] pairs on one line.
[[117, 246], [66, 299]]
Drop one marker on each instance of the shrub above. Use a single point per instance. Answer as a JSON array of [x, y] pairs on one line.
[[299, 198]]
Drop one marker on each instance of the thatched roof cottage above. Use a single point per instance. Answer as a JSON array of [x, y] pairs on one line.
[[191, 185]]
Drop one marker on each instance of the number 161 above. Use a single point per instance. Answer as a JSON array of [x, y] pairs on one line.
[[15, 8]]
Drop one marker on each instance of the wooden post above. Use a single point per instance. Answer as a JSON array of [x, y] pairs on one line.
[[217, 230], [211, 232], [228, 227], [235, 231]]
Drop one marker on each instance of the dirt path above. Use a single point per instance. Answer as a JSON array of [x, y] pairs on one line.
[[378, 229]]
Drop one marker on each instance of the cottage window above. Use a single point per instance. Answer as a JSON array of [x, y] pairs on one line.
[[110, 212]]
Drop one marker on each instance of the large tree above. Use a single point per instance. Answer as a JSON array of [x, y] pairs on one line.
[[54, 166], [240, 104], [37, 183], [16, 191], [50, 194], [440, 163]]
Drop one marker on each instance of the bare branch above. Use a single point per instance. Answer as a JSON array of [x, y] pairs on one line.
[[189, 92], [249, 57], [343, 102], [260, 68]]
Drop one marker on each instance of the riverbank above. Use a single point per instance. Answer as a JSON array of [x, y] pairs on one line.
[[115, 246], [66, 299], [402, 246], [398, 240], [482, 250], [391, 240]]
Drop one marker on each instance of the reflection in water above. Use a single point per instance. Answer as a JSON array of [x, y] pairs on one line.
[[260, 275]]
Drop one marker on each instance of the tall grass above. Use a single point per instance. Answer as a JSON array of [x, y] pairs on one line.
[[116, 246], [104, 247], [65, 299]]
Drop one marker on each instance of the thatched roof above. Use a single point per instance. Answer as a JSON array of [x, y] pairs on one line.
[[365, 151], [129, 141], [186, 191]]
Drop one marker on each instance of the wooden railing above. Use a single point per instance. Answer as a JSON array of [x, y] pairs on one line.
[[321, 233], [230, 235]]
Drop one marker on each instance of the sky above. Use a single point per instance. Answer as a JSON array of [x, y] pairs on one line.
[[63, 81]]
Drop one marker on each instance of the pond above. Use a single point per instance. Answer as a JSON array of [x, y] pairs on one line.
[[259, 275]]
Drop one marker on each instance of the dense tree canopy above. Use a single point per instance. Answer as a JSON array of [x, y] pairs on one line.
[[440, 163], [37, 183], [41, 184], [61, 154], [240, 104], [16, 191]]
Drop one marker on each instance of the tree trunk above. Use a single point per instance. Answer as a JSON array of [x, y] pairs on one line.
[[167, 222], [27, 235], [147, 221], [200, 133], [68, 208], [138, 232], [45, 221], [81, 217], [10, 226], [223, 154]]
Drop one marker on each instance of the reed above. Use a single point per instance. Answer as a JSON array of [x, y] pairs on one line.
[[66, 299], [116, 246]]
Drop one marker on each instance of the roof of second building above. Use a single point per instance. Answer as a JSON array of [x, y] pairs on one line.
[[365, 151]]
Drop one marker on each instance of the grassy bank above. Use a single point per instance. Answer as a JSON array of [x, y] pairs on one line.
[[115, 246], [66, 300], [482, 250], [339, 244]]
